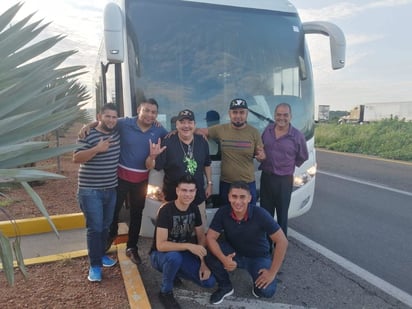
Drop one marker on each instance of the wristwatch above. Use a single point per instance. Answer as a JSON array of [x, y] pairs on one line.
[[209, 182]]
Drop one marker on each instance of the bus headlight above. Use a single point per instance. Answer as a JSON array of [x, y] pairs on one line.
[[302, 179], [154, 193]]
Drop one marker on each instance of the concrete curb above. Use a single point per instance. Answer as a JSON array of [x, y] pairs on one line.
[[41, 225], [133, 282]]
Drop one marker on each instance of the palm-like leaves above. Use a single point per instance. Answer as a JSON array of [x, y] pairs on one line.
[[37, 96]]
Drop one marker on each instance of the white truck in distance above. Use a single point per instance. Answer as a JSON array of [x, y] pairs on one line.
[[378, 111]]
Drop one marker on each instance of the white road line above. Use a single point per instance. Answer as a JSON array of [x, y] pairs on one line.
[[364, 182], [360, 272]]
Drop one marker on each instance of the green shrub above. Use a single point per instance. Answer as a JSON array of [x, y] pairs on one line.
[[389, 138], [37, 96]]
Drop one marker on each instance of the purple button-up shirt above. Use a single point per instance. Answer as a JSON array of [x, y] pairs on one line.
[[284, 153]]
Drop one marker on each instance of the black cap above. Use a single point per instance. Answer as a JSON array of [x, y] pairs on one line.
[[186, 114], [238, 103]]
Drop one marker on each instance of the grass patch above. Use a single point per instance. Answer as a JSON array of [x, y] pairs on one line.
[[389, 138]]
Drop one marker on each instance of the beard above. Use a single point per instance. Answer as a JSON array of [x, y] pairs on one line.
[[238, 124], [106, 128]]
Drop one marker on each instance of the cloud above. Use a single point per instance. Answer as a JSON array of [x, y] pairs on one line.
[[358, 39], [346, 10], [80, 21]]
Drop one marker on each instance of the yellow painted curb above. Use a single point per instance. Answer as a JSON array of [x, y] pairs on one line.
[[41, 225], [133, 283], [54, 257]]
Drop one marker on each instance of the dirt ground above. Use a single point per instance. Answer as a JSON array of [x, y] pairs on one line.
[[61, 284]]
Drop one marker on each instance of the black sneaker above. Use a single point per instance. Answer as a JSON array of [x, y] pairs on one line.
[[109, 242], [217, 297], [168, 300], [133, 255], [177, 282], [254, 292]]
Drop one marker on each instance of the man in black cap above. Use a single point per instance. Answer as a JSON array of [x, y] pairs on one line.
[[184, 153], [240, 143]]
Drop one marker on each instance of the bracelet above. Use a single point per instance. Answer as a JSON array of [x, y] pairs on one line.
[[210, 183]]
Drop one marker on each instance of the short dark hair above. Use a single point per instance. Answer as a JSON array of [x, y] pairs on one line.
[[108, 106], [187, 179], [239, 185], [150, 101]]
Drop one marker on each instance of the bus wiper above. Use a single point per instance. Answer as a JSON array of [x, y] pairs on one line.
[[260, 116]]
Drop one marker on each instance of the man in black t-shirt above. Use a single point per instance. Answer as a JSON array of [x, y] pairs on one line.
[[178, 248], [184, 153]]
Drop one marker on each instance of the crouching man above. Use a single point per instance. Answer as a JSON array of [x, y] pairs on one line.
[[245, 228], [179, 241]]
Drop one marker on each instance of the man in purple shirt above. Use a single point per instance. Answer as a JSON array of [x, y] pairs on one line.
[[285, 148]]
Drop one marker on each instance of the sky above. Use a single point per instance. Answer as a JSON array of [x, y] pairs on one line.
[[378, 55]]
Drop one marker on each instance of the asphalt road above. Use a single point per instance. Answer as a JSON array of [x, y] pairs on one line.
[[363, 211], [356, 215]]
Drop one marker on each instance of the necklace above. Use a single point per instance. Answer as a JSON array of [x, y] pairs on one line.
[[191, 164]]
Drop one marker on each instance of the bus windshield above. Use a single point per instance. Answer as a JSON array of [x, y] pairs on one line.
[[201, 56]]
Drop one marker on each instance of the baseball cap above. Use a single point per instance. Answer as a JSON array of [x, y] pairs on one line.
[[186, 114], [238, 103], [212, 115]]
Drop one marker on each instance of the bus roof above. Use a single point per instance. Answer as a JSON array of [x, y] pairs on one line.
[[272, 5]]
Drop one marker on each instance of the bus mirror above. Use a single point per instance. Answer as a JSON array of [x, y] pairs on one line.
[[336, 39], [113, 33]]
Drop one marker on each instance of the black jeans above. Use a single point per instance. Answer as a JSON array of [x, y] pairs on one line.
[[275, 192], [136, 192]]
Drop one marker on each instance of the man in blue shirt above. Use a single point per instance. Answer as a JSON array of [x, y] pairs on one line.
[[135, 134], [245, 228]]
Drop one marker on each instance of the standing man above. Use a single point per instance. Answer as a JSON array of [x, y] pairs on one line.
[[245, 228], [135, 135], [184, 153], [98, 158], [178, 248], [240, 143], [285, 148]]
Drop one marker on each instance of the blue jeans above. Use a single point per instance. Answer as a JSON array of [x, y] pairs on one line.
[[182, 264], [97, 206], [224, 192], [251, 264]]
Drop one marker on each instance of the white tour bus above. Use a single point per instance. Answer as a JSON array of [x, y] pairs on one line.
[[201, 55]]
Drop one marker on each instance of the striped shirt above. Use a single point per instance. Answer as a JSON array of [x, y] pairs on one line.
[[100, 172]]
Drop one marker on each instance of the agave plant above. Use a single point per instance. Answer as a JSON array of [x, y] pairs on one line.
[[37, 96]]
